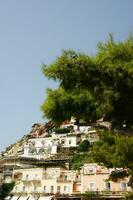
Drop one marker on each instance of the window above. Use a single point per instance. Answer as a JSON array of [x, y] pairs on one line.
[[36, 176], [123, 185], [23, 188], [65, 188], [58, 189], [33, 143], [44, 189], [52, 189], [70, 142], [107, 185], [27, 176], [91, 186], [16, 188], [62, 142], [91, 171], [65, 177], [35, 188], [43, 143], [44, 176]]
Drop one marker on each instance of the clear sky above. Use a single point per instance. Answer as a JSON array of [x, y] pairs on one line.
[[33, 32]]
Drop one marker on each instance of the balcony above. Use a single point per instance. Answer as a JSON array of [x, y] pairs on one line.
[[62, 179], [102, 171], [19, 191], [32, 179], [47, 177], [108, 194], [38, 191], [78, 180], [7, 172]]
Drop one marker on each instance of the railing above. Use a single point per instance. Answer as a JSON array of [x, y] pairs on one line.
[[19, 191], [60, 179], [78, 180], [47, 177], [33, 179], [108, 193], [7, 172], [37, 192]]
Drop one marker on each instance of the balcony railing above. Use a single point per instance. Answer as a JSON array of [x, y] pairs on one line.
[[37, 191], [60, 179], [20, 191], [31, 179], [108, 193], [7, 172], [78, 180], [47, 177]]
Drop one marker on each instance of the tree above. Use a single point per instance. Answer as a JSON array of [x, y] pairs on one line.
[[5, 189], [93, 87], [61, 105], [84, 146], [69, 99], [115, 60], [114, 150], [79, 159]]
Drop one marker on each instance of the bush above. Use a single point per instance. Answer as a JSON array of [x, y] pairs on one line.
[[62, 130], [84, 146], [79, 160], [6, 189]]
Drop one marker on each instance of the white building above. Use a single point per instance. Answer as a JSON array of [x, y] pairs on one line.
[[48, 146], [40, 148], [69, 141]]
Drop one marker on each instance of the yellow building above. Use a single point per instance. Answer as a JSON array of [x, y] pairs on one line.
[[52, 182], [40, 182], [95, 178]]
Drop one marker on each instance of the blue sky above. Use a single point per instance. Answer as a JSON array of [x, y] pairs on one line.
[[34, 32]]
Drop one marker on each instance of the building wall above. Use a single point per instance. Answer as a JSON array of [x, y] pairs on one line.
[[38, 180], [100, 183], [68, 141], [40, 148], [96, 178]]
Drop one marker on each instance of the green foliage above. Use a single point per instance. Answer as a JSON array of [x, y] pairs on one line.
[[130, 182], [79, 159], [84, 146], [115, 61], [6, 189], [62, 130], [119, 174], [129, 196], [61, 105], [114, 150], [91, 195], [93, 87]]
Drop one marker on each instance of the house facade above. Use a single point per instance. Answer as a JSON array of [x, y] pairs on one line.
[[40, 148], [95, 178], [40, 182], [50, 182]]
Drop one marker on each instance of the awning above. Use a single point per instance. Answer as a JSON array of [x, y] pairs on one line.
[[34, 197], [15, 197], [45, 197], [8, 198], [24, 197]]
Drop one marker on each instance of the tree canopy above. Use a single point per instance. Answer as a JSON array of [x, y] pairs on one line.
[[92, 87], [115, 150]]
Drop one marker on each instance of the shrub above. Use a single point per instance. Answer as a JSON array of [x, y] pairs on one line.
[[84, 146], [6, 189]]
